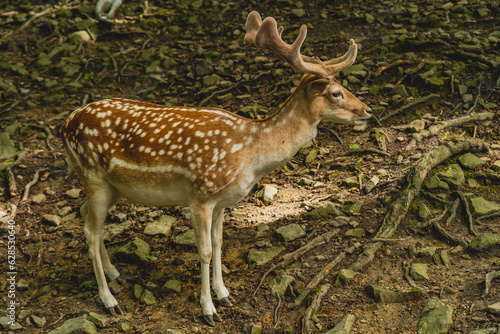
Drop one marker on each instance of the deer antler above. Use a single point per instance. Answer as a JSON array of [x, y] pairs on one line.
[[266, 35]]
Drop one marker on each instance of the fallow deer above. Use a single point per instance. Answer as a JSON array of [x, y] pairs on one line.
[[206, 158]]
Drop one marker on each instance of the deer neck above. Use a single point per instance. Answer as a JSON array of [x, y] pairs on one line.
[[280, 136]]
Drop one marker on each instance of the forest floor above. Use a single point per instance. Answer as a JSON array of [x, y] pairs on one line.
[[420, 64]]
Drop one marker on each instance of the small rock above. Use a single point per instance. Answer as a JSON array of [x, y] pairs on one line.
[[280, 284], [252, 329], [138, 291], [162, 226], [445, 258], [261, 231], [298, 12], [40, 198], [23, 314], [186, 238], [267, 194], [418, 271], [484, 241], [73, 193], [371, 183], [98, 319], [311, 156], [111, 230], [260, 257], [121, 216], [38, 321], [354, 207], [417, 125], [52, 220], [22, 285], [7, 146], [345, 275], [344, 326], [423, 211], [290, 232], [453, 175], [355, 232], [42, 291], [325, 211], [470, 161], [432, 182], [147, 297], [114, 287], [124, 327], [494, 309], [360, 128], [172, 286], [496, 166], [133, 252], [482, 206], [76, 325], [437, 319]]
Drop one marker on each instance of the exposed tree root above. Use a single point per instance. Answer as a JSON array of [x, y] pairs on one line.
[[399, 208], [315, 281], [316, 302], [31, 183], [287, 258], [452, 122], [487, 281], [469, 215]]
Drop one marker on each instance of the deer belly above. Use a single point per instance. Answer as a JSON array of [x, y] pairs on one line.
[[174, 193]]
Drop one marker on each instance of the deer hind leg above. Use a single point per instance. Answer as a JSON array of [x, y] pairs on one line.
[[217, 282], [201, 215], [94, 211]]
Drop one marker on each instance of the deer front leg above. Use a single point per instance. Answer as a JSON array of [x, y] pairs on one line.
[[201, 215], [217, 282], [94, 212]]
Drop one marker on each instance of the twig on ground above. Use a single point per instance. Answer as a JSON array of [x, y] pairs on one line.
[[418, 101], [31, 183], [416, 137], [448, 235], [316, 302], [332, 132], [487, 281], [276, 310], [491, 215], [287, 258], [315, 281]]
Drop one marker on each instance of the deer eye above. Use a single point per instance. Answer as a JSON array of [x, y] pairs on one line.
[[338, 94]]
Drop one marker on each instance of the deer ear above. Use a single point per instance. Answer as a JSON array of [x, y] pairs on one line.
[[318, 87]]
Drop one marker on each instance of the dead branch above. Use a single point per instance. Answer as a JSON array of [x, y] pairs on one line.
[[487, 281], [416, 137], [287, 258], [31, 183], [397, 211], [47, 132], [306, 323], [418, 101], [315, 281]]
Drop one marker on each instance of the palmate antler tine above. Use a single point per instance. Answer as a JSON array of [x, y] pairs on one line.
[[266, 35]]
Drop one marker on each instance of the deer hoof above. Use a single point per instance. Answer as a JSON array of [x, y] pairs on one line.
[[209, 320], [225, 302]]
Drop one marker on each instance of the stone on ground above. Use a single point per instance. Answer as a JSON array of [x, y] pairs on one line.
[[260, 257], [280, 284], [161, 226], [437, 318], [187, 238], [290, 232], [135, 251], [344, 326], [76, 325]]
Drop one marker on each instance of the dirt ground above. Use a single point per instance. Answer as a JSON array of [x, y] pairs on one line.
[[167, 53]]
